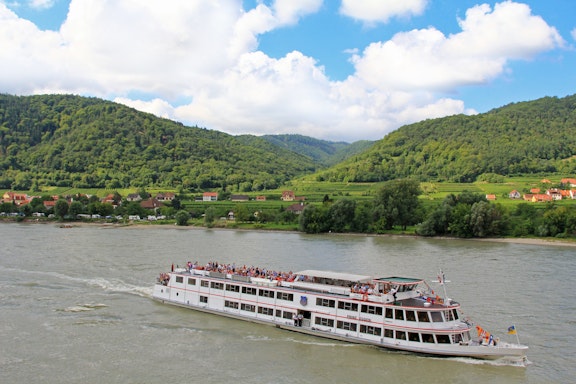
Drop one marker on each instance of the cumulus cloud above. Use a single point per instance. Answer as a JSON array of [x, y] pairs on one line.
[[371, 11], [427, 59], [206, 52]]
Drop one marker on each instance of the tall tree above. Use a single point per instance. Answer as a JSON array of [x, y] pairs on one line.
[[396, 203]]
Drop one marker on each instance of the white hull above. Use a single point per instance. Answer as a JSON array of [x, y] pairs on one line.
[[334, 312]]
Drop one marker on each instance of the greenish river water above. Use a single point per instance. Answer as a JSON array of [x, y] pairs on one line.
[[75, 307]]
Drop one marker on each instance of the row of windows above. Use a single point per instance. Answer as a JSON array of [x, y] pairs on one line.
[[390, 313], [236, 288], [390, 333], [261, 310]]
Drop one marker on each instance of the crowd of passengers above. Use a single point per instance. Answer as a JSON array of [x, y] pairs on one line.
[[258, 272], [232, 269]]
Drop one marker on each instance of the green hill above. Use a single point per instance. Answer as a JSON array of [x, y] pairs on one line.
[[327, 153], [63, 140], [517, 139]]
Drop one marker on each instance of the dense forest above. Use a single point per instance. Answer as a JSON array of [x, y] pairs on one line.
[[62, 140], [517, 139], [324, 152]]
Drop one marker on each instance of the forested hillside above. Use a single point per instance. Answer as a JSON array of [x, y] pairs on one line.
[[324, 152], [91, 143], [523, 138]]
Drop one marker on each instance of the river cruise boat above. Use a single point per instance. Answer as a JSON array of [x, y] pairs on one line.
[[398, 313]]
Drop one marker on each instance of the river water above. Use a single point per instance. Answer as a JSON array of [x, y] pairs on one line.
[[75, 307]]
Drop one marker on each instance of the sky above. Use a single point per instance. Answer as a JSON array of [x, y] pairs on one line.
[[339, 70]]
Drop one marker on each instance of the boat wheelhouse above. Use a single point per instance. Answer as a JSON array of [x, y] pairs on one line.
[[390, 312]]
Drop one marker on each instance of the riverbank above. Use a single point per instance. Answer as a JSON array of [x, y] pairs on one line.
[[523, 240]]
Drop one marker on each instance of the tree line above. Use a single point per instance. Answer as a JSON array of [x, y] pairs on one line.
[[395, 207]]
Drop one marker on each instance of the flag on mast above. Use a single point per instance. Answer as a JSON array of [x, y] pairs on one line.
[[512, 330]]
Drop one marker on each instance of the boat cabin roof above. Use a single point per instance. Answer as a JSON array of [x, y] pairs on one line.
[[335, 275], [398, 280]]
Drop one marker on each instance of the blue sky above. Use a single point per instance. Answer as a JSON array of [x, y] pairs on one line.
[[331, 69]]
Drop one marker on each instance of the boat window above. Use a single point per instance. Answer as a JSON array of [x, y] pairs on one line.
[[285, 296], [388, 333], [248, 307], [346, 325], [448, 315], [323, 321], [278, 313], [179, 279], [348, 306], [399, 314], [325, 302], [288, 315], [232, 288], [231, 304], [191, 281], [457, 338], [370, 330], [443, 339], [401, 335], [204, 299], [455, 314], [371, 309], [437, 316], [423, 317], [428, 338], [215, 285], [389, 313], [249, 290], [410, 315], [204, 283], [266, 293], [413, 336], [266, 311]]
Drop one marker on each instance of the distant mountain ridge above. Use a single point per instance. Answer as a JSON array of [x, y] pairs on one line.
[[324, 152]]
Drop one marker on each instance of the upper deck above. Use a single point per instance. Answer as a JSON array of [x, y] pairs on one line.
[[396, 290]]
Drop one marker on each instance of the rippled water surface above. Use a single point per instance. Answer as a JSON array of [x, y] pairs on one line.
[[75, 307]]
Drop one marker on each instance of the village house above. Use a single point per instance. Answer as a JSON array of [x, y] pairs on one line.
[[554, 193], [535, 190], [16, 198], [514, 195], [210, 196], [491, 197], [569, 182], [260, 198], [541, 198], [239, 198], [288, 196], [151, 204], [296, 208], [134, 197], [165, 196]]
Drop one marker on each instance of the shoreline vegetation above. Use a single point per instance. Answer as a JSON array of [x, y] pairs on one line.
[[510, 240]]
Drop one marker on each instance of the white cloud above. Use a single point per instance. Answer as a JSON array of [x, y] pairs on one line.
[[381, 10], [207, 52], [290, 11], [428, 60]]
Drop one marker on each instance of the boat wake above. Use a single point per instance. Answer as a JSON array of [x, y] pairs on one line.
[[494, 363], [82, 308], [119, 286], [109, 285]]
